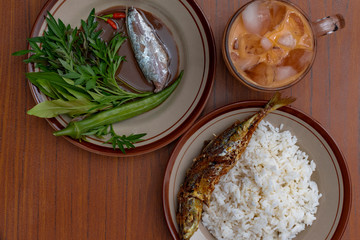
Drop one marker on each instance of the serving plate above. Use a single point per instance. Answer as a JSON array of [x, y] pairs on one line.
[[197, 57], [331, 172]]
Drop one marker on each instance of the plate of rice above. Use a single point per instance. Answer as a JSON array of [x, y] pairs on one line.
[[292, 181]]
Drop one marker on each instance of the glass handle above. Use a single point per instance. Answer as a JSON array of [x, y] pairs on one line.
[[328, 25]]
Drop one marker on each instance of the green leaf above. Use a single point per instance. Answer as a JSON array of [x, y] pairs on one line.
[[71, 75], [62, 26], [91, 83], [80, 80], [136, 137], [56, 82], [91, 17], [44, 87], [66, 65], [95, 96], [36, 39], [61, 92], [35, 47], [54, 38], [53, 26], [89, 70], [21, 52], [49, 109], [85, 27], [51, 46], [77, 94]]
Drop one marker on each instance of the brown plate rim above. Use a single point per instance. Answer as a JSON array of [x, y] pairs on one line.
[[209, 82], [347, 199]]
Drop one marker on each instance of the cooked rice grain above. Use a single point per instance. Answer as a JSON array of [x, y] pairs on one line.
[[268, 194]]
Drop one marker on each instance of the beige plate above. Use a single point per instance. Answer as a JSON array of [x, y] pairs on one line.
[[331, 172], [197, 54]]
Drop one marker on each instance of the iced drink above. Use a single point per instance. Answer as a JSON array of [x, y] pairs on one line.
[[270, 43]]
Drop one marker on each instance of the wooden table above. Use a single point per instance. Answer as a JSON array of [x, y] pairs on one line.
[[50, 189]]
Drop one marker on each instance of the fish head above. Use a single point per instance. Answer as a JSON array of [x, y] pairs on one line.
[[189, 216]]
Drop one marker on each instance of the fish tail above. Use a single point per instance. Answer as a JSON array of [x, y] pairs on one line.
[[277, 102]]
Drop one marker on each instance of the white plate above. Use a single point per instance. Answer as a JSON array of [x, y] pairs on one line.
[[197, 54], [331, 172]]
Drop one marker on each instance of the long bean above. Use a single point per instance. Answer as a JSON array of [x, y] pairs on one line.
[[117, 114]]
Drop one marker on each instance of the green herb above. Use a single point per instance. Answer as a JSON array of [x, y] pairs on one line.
[[78, 72], [124, 141], [116, 141]]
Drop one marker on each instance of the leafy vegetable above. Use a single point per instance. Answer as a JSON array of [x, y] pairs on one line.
[[78, 72]]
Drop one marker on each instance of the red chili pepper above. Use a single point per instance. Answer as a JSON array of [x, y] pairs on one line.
[[117, 15], [112, 23], [109, 21]]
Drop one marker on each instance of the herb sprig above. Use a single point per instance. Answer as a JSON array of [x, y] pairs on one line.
[[116, 140]]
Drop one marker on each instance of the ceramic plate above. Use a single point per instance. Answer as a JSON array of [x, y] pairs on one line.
[[331, 172], [197, 57]]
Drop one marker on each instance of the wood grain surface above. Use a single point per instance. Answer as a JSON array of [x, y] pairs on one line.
[[50, 189]]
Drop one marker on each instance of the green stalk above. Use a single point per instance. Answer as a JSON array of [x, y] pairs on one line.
[[117, 114]]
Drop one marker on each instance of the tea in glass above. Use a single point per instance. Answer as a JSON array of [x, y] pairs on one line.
[[270, 43]]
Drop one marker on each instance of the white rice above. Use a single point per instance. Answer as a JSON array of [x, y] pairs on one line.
[[268, 194]]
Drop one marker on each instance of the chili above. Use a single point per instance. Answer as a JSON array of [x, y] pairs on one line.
[[112, 23], [116, 15], [109, 21], [117, 114]]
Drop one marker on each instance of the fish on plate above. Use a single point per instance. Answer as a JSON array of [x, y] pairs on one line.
[[215, 160], [150, 53]]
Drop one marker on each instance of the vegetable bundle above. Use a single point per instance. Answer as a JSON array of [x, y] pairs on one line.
[[78, 72]]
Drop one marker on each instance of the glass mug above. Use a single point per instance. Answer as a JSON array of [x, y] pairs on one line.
[[270, 45]]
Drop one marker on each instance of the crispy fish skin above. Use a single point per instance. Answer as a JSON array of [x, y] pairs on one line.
[[215, 160], [150, 53]]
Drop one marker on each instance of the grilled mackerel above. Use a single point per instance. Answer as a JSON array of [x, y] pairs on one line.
[[215, 160]]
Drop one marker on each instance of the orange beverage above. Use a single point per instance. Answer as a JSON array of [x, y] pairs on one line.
[[270, 43]]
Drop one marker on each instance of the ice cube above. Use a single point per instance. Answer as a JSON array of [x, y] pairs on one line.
[[306, 41], [296, 24], [282, 73], [234, 56], [277, 12], [275, 55], [236, 44], [247, 63], [299, 59], [287, 40], [261, 74], [251, 44], [243, 63], [256, 18], [266, 43]]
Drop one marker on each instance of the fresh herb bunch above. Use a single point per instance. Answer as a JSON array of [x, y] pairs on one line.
[[78, 72]]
